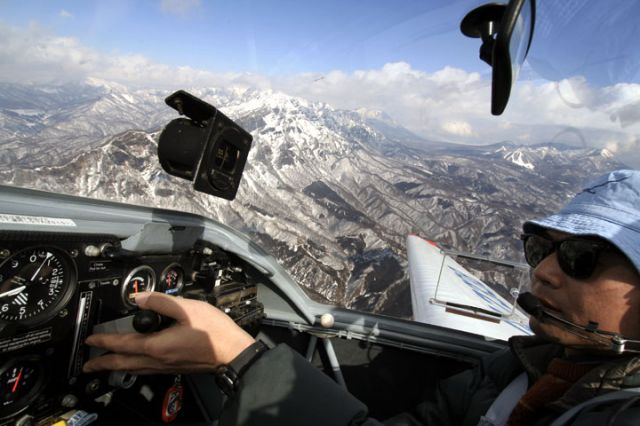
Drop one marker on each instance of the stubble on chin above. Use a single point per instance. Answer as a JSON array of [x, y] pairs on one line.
[[571, 342], [550, 333]]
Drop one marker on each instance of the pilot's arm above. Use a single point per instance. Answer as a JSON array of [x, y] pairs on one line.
[[279, 388], [202, 339], [282, 388]]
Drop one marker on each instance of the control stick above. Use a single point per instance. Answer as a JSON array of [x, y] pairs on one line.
[[145, 321]]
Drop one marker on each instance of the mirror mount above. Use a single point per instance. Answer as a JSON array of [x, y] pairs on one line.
[[484, 23], [506, 31]]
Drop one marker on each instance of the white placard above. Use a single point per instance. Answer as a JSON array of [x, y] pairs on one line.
[[36, 220]]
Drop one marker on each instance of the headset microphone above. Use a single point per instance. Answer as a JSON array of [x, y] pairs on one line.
[[611, 341], [530, 304]]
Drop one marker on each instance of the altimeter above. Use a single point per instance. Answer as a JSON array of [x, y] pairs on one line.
[[35, 283]]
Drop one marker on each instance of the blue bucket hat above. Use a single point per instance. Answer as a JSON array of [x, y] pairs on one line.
[[609, 208]]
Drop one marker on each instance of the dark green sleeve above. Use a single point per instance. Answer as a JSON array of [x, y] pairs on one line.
[[282, 388]]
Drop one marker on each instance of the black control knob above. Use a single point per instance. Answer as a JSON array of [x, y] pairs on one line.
[[145, 321]]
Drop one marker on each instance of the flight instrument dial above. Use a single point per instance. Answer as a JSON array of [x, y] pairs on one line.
[[20, 382], [142, 278], [172, 279], [35, 284]]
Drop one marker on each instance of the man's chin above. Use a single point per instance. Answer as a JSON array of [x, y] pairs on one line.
[[556, 334], [548, 332], [572, 343]]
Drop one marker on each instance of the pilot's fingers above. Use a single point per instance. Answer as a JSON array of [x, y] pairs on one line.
[[130, 343], [175, 369], [120, 362], [141, 364], [163, 304]]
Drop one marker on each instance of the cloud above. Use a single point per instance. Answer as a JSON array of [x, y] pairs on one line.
[[179, 7], [64, 14], [33, 55], [447, 105], [453, 105], [460, 128], [418, 100]]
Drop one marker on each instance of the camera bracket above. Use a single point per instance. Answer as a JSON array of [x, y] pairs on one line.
[[206, 147]]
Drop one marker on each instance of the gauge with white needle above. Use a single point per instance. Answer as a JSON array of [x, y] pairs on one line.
[[35, 284], [13, 292], [142, 278]]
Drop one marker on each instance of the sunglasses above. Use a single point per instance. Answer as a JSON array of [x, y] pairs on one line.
[[577, 257]]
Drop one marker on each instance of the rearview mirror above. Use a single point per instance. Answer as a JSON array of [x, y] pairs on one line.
[[506, 32]]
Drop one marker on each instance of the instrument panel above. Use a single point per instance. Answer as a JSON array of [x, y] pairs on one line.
[[55, 288]]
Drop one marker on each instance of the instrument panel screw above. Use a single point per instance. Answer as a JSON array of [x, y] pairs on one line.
[[5, 253], [74, 253], [93, 386], [63, 313]]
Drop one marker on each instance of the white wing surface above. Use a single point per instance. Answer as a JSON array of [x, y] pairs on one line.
[[444, 293]]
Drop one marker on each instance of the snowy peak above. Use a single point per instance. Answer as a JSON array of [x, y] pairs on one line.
[[519, 158], [373, 114], [532, 157], [605, 153]]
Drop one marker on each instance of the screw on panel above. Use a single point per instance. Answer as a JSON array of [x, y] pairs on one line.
[[63, 313], [93, 386], [5, 253], [74, 253]]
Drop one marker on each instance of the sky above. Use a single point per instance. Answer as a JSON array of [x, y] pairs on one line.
[[580, 84], [267, 37]]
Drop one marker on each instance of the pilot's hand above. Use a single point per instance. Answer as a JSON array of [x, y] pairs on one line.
[[202, 338]]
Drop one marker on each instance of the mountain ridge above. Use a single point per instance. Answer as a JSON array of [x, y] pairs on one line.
[[330, 195]]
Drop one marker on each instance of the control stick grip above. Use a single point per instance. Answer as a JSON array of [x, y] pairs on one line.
[[145, 321]]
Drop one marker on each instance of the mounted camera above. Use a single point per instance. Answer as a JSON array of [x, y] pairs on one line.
[[207, 147]]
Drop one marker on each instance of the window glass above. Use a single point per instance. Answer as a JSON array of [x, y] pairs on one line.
[[371, 122]]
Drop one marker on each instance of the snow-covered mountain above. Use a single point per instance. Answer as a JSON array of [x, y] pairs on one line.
[[330, 193]]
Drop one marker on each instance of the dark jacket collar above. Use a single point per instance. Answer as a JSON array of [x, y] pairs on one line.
[[534, 354], [612, 372]]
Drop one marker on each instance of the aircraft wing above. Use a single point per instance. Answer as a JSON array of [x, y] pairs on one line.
[[443, 293]]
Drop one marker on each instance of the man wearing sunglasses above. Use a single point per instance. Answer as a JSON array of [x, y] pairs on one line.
[[583, 363], [585, 262]]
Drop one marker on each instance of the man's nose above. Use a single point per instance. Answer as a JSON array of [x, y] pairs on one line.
[[548, 272]]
